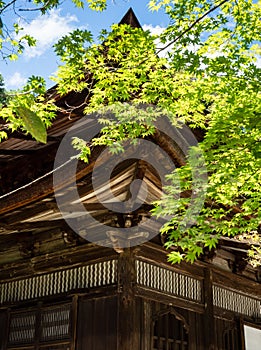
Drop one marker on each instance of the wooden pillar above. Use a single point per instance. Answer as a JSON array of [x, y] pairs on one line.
[[146, 326], [4, 326], [128, 330], [74, 321], [209, 322]]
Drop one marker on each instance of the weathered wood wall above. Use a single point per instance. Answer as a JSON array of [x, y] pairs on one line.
[[227, 334], [3, 329], [97, 324]]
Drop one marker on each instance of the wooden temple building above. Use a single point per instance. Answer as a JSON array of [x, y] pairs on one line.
[[60, 291]]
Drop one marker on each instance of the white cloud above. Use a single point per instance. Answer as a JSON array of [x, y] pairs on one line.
[[15, 81], [47, 29], [157, 30]]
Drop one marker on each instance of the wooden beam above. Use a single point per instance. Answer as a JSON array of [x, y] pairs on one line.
[[28, 212], [44, 187], [127, 329], [67, 257], [167, 299], [21, 226], [209, 322], [238, 282]]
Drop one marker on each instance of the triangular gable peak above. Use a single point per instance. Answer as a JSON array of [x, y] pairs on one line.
[[131, 19]]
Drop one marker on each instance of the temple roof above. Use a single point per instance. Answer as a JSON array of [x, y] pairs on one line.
[[131, 19], [31, 223]]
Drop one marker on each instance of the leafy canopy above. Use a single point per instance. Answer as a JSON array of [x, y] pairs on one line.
[[208, 79]]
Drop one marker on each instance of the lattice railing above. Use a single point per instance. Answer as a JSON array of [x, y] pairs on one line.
[[234, 301], [154, 277], [92, 275], [168, 281]]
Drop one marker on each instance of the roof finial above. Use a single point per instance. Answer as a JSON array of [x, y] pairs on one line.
[[131, 19]]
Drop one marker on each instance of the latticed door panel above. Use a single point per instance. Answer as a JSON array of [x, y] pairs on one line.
[[169, 333], [49, 327], [22, 328], [55, 323]]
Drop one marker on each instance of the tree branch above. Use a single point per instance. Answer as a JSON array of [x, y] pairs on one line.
[[7, 5], [36, 9], [191, 26]]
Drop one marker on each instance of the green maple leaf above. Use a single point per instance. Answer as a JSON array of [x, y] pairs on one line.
[[32, 123]]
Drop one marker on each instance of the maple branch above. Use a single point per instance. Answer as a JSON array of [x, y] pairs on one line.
[[191, 26], [7, 5]]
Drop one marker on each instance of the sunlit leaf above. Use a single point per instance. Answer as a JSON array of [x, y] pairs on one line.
[[33, 124]]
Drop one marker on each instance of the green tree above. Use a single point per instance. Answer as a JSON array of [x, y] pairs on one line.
[[208, 79], [2, 91]]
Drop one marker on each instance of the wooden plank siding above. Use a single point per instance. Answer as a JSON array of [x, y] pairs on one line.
[[3, 329], [98, 327], [97, 324], [227, 334]]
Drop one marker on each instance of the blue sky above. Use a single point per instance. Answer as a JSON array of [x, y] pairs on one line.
[[47, 29]]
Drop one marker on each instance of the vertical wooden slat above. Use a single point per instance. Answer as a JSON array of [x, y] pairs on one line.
[[4, 329], [167, 331], [159, 328], [209, 324], [97, 324], [111, 323], [84, 325], [99, 320], [126, 301], [192, 336], [242, 335], [146, 326]]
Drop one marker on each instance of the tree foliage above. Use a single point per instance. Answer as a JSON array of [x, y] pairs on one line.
[[2, 91], [208, 79]]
